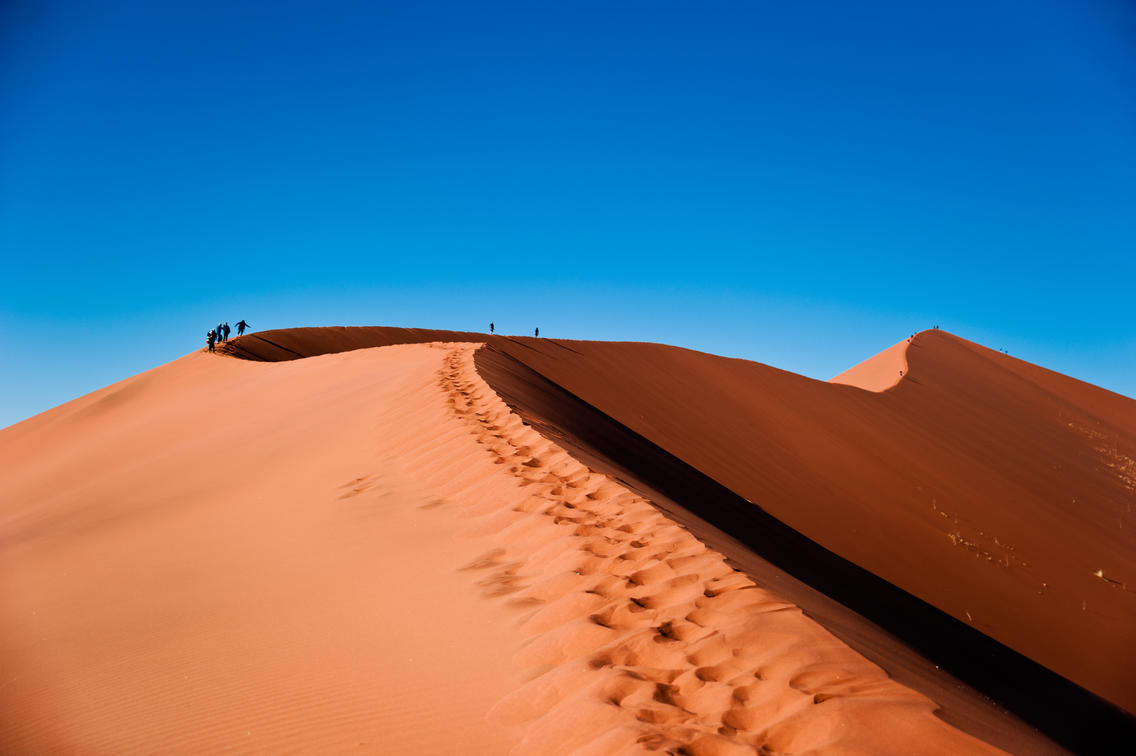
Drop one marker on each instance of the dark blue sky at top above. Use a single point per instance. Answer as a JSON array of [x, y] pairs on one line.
[[801, 184]]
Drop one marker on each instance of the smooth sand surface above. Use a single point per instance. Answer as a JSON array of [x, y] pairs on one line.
[[880, 372], [370, 550], [216, 556]]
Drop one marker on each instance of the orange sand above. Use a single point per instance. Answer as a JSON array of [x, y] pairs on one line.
[[996, 491], [878, 373], [215, 556], [370, 550]]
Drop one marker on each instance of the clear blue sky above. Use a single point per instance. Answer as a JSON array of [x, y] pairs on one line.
[[801, 184]]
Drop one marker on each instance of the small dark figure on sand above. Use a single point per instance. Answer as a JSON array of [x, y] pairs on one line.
[[225, 335], [491, 326], [536, 333], [210, 338], [241, 328], [220, 332]]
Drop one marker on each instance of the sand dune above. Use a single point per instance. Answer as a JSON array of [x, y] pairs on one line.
[[303, 588], [993, 489], [991, 497], [433, 547], [214, 556]]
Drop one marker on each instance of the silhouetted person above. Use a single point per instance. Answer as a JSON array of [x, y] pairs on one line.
[[536, 333], [210, 338], [226, 334], [491, 326], [220, 332], [241, 328]]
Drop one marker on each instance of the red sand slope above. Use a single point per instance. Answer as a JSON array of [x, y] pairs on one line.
[[371, 551]]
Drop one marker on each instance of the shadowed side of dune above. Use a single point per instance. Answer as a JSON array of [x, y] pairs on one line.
[[1065, 712], [993, 497]]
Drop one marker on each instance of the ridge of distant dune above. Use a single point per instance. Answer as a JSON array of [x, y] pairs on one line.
[[878, 373]]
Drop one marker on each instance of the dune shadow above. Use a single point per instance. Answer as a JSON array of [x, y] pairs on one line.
[[1061, 710]]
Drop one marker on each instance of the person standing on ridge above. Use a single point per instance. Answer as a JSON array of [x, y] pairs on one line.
[[491, 326], [210, 338], [220, 331], [227, 329], [536, 333], [241, 328]]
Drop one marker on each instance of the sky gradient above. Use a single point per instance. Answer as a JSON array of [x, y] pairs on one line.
[[801, 184]]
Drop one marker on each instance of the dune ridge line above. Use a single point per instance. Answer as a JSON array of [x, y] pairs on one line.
[[641, 637], [879, 372]]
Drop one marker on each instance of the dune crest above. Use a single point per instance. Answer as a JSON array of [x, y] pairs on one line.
[[877, 373]]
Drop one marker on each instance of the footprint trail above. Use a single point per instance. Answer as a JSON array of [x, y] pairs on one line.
[[641, 639]]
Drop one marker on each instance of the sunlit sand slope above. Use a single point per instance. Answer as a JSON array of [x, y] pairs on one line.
[[371, 551], [880, 372], [218, 556]]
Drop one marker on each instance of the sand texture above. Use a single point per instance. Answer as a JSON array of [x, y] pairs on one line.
[[217, 557], [997, 491], [403, 541]]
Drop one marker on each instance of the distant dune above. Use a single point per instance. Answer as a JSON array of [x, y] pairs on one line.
[[878, 373], [546, 546]]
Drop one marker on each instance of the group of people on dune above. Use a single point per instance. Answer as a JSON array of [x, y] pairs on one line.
[[221, 333]]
